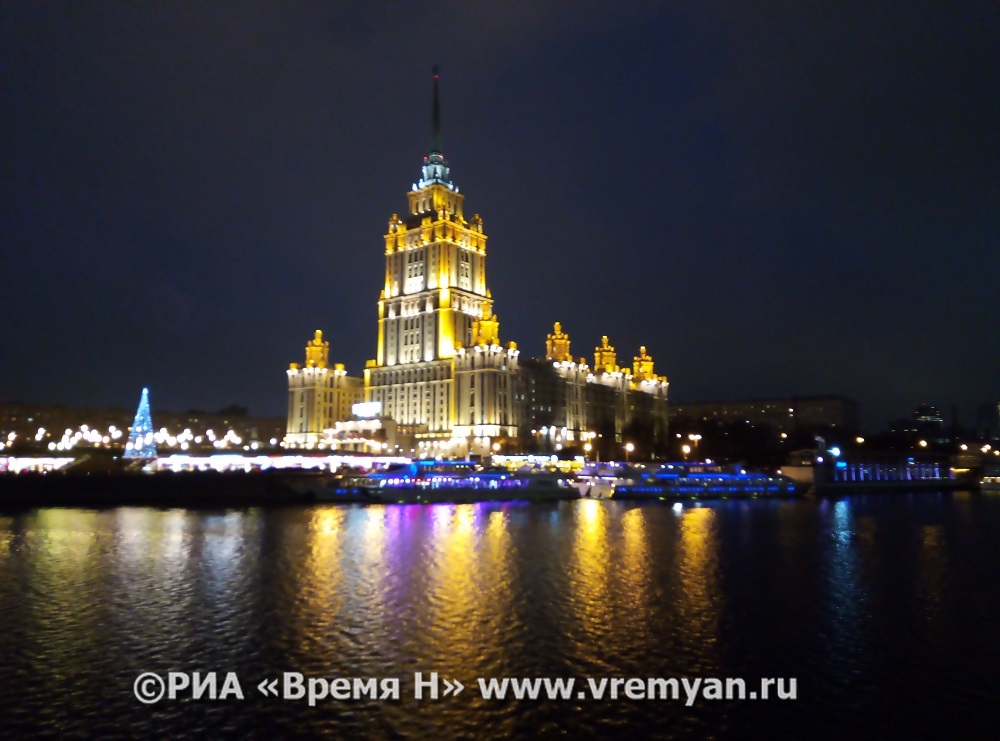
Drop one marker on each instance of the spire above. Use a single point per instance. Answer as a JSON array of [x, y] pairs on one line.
[[436, 120], [435, 169]]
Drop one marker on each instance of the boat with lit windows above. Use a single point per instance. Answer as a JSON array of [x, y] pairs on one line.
[[599, 481], [991, 478], [430, 481], [701, 481], [885, 474], [322, 486]]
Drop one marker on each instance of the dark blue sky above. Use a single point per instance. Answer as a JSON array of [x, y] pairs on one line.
[[774, 197]]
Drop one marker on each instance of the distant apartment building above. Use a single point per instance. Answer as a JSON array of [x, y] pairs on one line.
[[787, 414], [988, 420]]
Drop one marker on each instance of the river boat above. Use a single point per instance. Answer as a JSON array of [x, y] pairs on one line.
[[324, 486], [429, 481], [991, 478], [847, 476], [695, 481]]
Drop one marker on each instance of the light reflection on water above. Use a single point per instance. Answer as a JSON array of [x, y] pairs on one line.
[[702, 604], [932, 574], [844, 622], [850, 595], [591, 624]]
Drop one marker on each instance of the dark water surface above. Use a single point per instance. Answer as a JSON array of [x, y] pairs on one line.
[[883, 607]]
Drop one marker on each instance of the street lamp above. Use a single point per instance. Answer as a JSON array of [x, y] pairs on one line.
[[695, 439], [629, 447], [587, 447], [685, 449]]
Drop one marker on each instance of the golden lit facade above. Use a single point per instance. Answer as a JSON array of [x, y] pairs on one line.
[[440, 370], [442, 379], [318, 395], [567, 403]]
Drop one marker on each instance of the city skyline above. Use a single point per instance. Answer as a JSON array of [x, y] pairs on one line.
[[191, 192]]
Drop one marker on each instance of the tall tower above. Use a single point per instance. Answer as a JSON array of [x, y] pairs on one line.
[[442, 383], [435, 267], [434, 291]]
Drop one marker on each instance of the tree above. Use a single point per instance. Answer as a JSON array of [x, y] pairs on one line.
[[140, 437]]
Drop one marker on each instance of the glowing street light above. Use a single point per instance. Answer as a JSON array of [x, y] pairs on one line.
[[696, 439], [629, 447], [686, 449]]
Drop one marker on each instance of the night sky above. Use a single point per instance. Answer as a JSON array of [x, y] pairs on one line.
[[776, 198]]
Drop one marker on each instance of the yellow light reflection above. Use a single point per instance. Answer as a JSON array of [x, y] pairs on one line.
[[592, 618], [327, 522], [636, 613], [6, 535], [66, 549], [456, 552], [69, 537], [497, 535], [471, 566], [701, 597], [374, 531], [464, 523], [319, 591]]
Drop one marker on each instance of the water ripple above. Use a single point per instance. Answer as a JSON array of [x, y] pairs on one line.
[[869, 601]]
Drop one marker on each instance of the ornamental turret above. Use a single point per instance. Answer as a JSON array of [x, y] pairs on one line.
[[557, 345], [642, 366], [605, 358], [317, 351], [486, 329]]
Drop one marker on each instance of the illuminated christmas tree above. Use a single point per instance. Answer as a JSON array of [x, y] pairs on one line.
[[140, 438]]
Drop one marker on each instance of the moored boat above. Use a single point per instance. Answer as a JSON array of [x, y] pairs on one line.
[[702, 481], [323, 486], [428, 481], [991, 478]]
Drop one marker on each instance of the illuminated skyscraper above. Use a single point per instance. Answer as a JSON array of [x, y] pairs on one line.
[[442, 383], [440, 369]]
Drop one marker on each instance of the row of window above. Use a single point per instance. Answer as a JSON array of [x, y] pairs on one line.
[[408, 409], [411, 375]]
